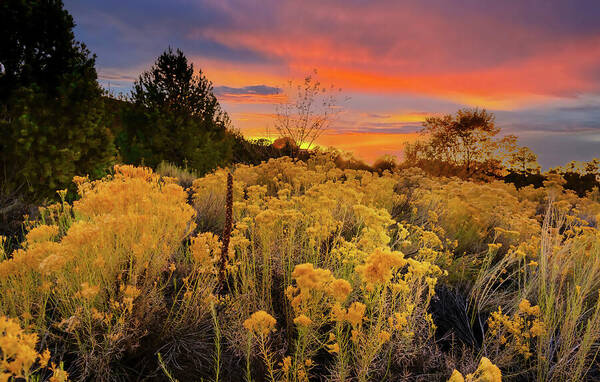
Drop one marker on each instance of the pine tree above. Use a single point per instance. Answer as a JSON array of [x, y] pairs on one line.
[[175, 118], [52, 121]]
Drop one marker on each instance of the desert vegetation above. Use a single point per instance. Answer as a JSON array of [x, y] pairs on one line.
[[142, 237], [328, 274]]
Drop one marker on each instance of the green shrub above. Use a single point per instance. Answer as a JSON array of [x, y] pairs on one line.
[[175, 117], [52, 120]]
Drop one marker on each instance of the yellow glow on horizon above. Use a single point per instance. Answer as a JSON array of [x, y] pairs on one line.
[[365, 146]]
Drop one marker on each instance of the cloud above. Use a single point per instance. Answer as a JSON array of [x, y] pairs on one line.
[[250, 94], [127, 33], [490, 56], [533, 63], [496, 55], [252, 89]]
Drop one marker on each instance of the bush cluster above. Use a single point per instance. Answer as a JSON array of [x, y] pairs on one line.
[[330, 274]]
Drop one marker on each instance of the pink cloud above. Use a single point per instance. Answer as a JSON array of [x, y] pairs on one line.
[[396, 47]]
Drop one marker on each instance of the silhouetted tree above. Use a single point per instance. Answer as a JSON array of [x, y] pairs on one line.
[[464, 138], [175, 118], [307, 112], [37, 45], [581, 177], [460, 144], [254, 151], [524, 160], [51, 112], [385, 163]]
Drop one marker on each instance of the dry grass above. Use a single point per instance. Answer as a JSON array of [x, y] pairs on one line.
[[329, 274]]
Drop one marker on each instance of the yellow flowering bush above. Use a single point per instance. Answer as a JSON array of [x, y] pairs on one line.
[[107, 269], [517, 333], [260, 325], [329, 273], [41, 234], [378, 267], [486, 372], [559, 269], [315, 292], [19, 357], [469, 214]]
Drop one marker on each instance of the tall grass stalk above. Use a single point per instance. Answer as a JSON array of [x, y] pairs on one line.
[[217, 355]]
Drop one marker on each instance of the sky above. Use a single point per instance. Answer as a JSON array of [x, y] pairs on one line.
[[534, 63]]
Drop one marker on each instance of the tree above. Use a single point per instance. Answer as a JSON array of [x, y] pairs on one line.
[[580, 177], [308, 111], [592, 167], [462, 139], [37, 45], [524, 160], [52, 123], [172, 85], [175, 118]]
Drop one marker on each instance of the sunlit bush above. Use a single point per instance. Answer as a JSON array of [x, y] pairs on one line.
[[100, 276], [328, 274]]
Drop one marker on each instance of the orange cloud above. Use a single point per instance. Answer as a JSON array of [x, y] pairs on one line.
[[534, 64], [429, 58], [252, 98], [223, 72], [534, 80]]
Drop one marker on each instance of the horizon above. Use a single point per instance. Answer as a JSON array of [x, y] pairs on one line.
[[536, 66]]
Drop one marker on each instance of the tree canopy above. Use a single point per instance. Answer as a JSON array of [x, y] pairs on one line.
[[467, 141], [52, 121], [38, 46], [524, 160], [171, 85], [463, 138], [175, 117]]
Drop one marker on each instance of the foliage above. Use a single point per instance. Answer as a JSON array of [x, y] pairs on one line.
[[464, 139], [523, 160], [184, 176], [19, 356], [581, 177], [37, 46], [257, 150], [175, 118], [552, 340], [486, 372], [46, 141], [98, 270], [330, 274], [52, 124], [466, 145]]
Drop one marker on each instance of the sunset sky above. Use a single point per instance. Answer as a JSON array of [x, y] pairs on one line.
[[535, 64]]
